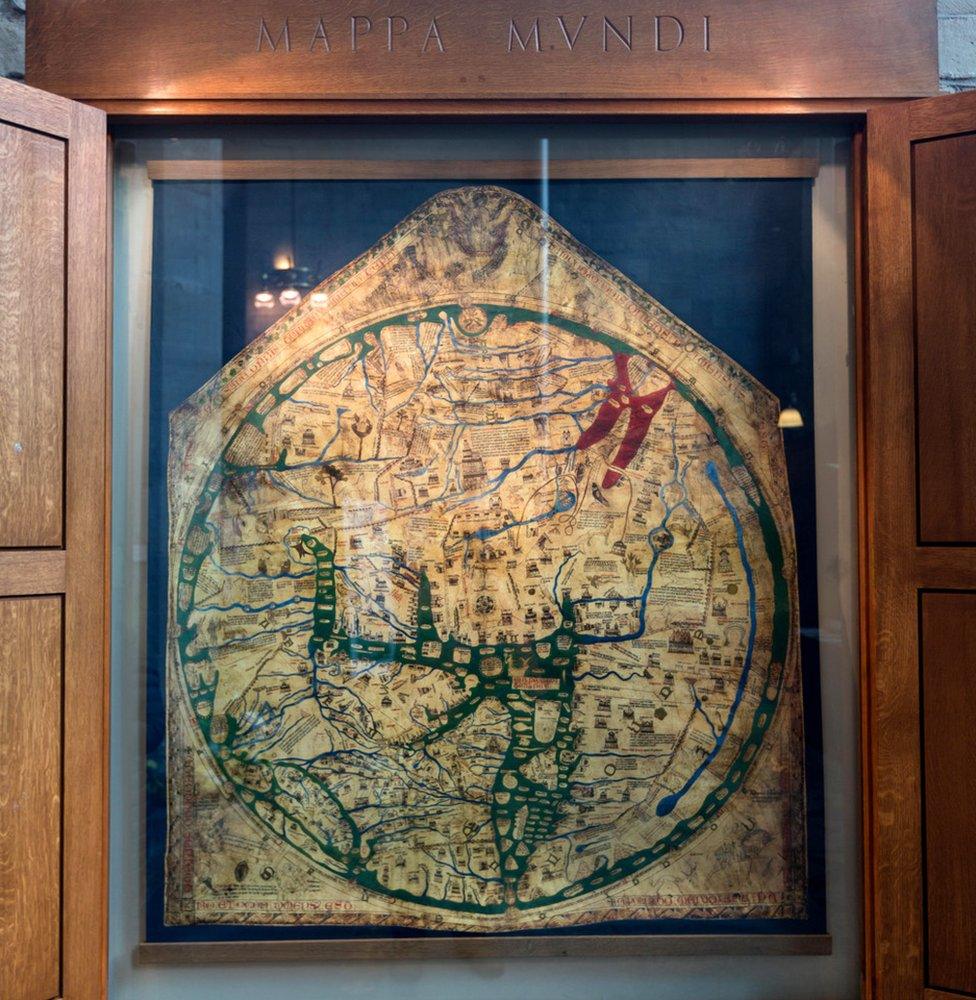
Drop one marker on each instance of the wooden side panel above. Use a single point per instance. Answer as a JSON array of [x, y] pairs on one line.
[[87, 478], [919, 764], [53, 548], [948, 643], [30, 797], [32, 207], [945, 307], [892, 821]]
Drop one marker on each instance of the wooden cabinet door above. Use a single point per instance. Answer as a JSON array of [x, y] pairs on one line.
[[53, 519], [918, 507]]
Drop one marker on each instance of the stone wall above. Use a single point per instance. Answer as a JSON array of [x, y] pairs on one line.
[[12, 38], [957, 42]]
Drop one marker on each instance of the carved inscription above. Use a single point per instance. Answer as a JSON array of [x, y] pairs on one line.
[[396, 32]]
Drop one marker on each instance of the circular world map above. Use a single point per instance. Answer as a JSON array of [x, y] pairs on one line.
[[481, 610]]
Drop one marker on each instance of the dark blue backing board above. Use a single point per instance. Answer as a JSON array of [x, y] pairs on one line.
[[732, 258]]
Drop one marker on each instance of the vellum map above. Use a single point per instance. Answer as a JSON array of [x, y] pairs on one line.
[[483, 609]]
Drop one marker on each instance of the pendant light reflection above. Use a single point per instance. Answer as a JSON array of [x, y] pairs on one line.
[[286, 282], [790, 417], [286, 287], [289, 296]]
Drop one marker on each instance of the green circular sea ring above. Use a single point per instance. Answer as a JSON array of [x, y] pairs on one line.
[[202, 699]]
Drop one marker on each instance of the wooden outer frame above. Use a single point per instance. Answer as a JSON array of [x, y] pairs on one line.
[[895, 568], [78, 571]]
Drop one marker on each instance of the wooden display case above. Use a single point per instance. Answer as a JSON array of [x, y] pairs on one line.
[[914, 286]]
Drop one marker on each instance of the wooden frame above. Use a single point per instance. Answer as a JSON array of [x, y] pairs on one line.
[[200, 953], [468, 946], [135, 111], [897, 567], [631, 169], [77, 570]]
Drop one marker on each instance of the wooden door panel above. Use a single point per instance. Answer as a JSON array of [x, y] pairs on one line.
[[917, 431], [32, 207], [30, 797], [948, 644], [944, 226], [53, 534]]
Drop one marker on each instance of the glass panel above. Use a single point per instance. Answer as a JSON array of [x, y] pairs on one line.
[[484, 541]]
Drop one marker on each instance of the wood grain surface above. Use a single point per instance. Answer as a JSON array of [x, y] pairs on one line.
[[477, 946], [895, 568], [949, 697], [930, 994], [88, 397], [633, 168], [890, 662], [30, 797], [944, 189], [76, 572], [32, 572], [32, 201], [294, 49], [187, 110]]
